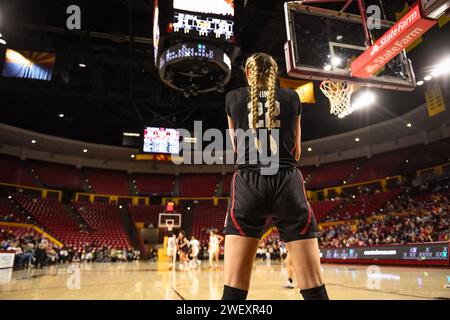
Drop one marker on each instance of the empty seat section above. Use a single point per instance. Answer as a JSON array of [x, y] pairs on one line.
[[148, 184], [198, 185], [332, 174], [57, 176], [307, 172], [107, 181], [13, 170], [227, 184], [425, 156], [53, 217], [322, 208], [365, 204], [207, 216], [106, 226], [380, 166], [146, 214]]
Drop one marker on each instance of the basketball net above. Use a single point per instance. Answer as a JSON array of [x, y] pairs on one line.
[[169, 225], [340, 94]]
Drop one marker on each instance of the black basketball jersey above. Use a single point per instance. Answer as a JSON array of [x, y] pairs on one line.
[[288, 107]]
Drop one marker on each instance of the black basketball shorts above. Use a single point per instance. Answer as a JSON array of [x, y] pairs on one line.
[[255, 197]]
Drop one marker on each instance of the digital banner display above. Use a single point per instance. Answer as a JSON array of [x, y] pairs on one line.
[[161, 140], [410, 252], [29, 65], [190, 50]]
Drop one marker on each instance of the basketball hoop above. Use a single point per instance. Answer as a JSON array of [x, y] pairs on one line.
[[340, 94], [169, 225]]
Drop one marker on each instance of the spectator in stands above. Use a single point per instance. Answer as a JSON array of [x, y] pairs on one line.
[[76, 257], [260, 252], [41, 253], [137, 254], [9, 218], [63, 255], [52, 254], [418, 221], [130, 255]]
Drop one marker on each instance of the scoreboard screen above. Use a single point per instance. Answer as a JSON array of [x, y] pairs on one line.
[[219, 7], [161, 140], [210, 19]]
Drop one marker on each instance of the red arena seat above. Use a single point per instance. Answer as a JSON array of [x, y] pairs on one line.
[[13, 170], [107, 181], [198, 185], [148, 184], [58, 176]]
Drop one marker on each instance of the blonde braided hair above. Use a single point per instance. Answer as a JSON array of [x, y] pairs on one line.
[[262, 72]]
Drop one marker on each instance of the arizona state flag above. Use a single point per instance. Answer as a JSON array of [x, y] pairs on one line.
[[304, 89]]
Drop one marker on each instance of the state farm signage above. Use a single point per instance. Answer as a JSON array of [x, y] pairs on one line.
[[396, 39]]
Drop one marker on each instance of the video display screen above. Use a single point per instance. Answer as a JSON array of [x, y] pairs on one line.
[[219, 7], [161, 140], [29, 65], [422, 252], [212, 19]]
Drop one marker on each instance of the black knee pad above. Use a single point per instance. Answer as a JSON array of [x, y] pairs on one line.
[[317, 293], [230, 293]]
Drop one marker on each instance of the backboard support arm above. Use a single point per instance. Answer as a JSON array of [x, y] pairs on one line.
[[349, 2], [367, 35]]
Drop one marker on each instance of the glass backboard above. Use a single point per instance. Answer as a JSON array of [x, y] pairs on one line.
[[323, 43]]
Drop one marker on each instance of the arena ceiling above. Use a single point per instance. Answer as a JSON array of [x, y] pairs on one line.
[[119, 89]]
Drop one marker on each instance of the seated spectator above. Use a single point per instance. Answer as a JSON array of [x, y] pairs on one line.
[[63, 255]]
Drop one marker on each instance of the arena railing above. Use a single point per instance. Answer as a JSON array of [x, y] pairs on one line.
[[42, 192], [108, 198], [35, 228]]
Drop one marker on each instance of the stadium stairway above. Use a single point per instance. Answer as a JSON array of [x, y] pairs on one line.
[[350, 177], [75, 216], [85, 183], [333, 212], [187, 222], [35, 178], [220, 183], [176, 186], [24, 211], [132, 187], [130, 228]]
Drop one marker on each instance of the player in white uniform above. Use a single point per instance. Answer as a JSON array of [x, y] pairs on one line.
[[195, 249], [214, 248], [171, 249]]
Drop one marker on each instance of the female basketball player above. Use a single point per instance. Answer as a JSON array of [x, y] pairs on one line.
[[255, 196], [171, 249], [183, 249], [214, 248], [195, 249]]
